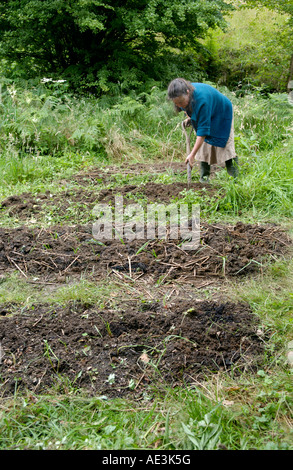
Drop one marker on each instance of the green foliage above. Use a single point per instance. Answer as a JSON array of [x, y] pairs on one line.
[[254, 52], [40, 122], [262, 123], [203, 434], [200, 418], [103, 44], [284, 6], [37, 122]]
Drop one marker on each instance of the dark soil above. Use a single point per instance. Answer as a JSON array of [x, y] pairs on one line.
[[127, 348], [27, 205], [122, 352], [62, 251]]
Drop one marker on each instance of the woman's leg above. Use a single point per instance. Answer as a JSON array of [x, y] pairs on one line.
[[232, 167], [205, 170]]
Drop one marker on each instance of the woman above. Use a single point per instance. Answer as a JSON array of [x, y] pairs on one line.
[[211, 115]]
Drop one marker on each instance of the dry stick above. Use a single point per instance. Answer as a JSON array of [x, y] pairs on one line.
[[181, 287], [129, 264], [71, 263], [214, 249], [38, 320], [140, 379], [202, 260], [40, 379], [170, 294], [170, 270], [43, 283], [16, 265], [174, 265], [56, 254], [25, 265], [126, 277], [43, 263], [179, 248], [42, 229], [117, 274], [53, 253], [205, 258], [53, 262], [281, 241]]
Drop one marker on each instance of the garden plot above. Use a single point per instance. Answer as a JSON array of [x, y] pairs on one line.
[[124, 351], [101, 186], [59, 251], [119, 351], [27, 205]]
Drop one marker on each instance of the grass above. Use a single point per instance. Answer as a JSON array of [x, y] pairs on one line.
[[228, 411], [217, 414]]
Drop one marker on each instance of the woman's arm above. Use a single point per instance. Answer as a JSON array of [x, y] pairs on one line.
[[198, 143]]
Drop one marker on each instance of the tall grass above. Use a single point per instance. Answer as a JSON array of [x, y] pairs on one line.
[[45, 133], [264, 188], [264, 143], [36, 122]]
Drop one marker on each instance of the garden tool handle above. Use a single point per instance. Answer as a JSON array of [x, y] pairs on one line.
[[188, 152], [188, 174]]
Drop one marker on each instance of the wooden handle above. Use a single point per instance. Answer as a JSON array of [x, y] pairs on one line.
[[187, 152], [188, 173], [187, 139]]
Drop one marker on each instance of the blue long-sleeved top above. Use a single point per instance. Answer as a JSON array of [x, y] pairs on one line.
[[211, 115]]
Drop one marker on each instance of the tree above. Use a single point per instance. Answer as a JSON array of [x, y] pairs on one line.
[[282, 6], [99, 41]]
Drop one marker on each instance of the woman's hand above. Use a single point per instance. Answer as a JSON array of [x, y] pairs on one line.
[[186, 122], [190, 159]]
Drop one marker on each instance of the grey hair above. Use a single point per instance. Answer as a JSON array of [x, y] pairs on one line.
[[179, 87]]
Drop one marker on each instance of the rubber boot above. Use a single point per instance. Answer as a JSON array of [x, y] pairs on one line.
[[232, 167], [205, 170]]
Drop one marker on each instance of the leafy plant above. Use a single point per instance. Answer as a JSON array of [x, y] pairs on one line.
[[103, 45], [203, 434]]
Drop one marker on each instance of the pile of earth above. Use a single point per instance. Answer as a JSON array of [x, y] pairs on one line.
[[122, 351], [60, 251], [28, 205]]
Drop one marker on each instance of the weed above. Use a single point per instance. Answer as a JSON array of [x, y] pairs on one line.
[[203, 434], [53, 359]]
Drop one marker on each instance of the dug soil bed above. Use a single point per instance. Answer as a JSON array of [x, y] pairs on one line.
[[60, 251], [27, 205], [154, 192], [123, 351]]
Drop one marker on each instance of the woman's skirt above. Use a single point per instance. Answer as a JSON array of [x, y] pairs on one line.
[[217, 155]]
